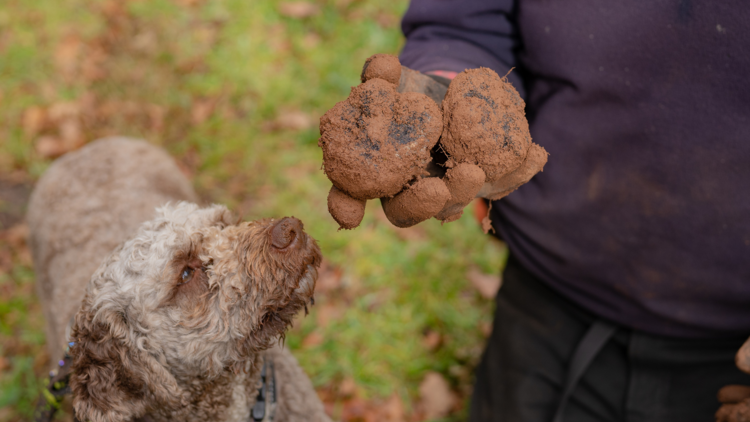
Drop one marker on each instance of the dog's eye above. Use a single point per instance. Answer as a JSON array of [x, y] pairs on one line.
[[187, 274]]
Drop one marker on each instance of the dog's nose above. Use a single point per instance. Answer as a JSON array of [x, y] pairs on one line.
[[285, 231]]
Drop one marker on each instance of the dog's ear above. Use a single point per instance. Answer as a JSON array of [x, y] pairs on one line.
[[112, 380]]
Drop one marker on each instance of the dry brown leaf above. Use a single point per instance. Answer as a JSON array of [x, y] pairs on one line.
[[66, 55], [486, 284], [435, 396], [293, 120], [298, 9], [392, 410], [326, 313], [312, 340], [49, 147], [202, 110], [432, 340], [348, 387], [34, 120]]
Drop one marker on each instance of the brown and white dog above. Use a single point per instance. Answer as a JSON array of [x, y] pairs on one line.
[[175, 312]]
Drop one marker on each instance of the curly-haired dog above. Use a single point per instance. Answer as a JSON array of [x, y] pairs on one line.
[[178, 321]]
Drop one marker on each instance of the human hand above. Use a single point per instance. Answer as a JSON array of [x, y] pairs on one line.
[[735, 399], [382, 142]]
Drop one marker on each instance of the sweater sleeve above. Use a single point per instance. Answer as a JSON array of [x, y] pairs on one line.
[[453, 35]]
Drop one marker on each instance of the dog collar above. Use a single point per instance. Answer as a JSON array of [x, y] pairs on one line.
[[265, 403]]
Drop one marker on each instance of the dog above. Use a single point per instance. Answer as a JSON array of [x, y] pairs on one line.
[[173, 311]]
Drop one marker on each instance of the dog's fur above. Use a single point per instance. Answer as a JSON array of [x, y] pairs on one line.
[[177, 320]]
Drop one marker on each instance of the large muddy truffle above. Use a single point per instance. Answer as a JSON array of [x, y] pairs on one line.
[[418, 202], [484, 123], [378, 139], [378, 144], [347, 211]]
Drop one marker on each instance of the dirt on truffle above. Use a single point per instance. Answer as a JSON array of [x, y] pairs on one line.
[[347, 211], [378, 139], [417, 203], [382, 66], [463, 182], [485, 123]]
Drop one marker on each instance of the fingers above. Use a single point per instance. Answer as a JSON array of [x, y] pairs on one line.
[[742, 358], [416, 203], [739, 412], [535, 160]]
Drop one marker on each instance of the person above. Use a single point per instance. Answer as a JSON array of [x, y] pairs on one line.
[[627, 290]]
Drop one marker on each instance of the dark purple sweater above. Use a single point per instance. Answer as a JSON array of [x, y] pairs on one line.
[[642, 214]]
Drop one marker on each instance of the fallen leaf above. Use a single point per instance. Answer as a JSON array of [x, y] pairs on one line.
[[432, 340], [298, 9], [202, 110], [326, 313], [354, 410], [348, 387], [293, 120], [435, 396], [49, 147], [486, 284], [66, 55], [16, 235], [34, 119], [392, 410], [312, 340]]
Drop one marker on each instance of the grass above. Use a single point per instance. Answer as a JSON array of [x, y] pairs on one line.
[[233, 90]]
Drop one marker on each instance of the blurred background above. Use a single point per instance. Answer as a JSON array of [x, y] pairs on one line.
[[233, 89]]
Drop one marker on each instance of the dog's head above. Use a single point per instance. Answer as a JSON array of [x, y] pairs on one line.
[[191, 296]]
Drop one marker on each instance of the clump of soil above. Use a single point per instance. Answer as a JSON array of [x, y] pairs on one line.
[[485, 123], [378, 139], [463, 182], [416, 203], [382, 66], [347, 211], [383, 140]]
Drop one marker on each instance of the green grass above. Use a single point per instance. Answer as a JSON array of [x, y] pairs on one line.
[[208, 81]]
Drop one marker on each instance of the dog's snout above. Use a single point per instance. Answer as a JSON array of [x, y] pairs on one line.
[[285, 232]]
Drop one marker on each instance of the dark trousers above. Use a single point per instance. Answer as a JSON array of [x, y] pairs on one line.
[[635, 377]]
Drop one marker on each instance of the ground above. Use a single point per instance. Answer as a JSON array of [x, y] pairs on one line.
[[233, 89]]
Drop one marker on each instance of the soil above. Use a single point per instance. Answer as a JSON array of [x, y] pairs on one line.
[[485, 123], [463, 181], [347, 211], [382, 66], [378, 139], [417, 203]]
